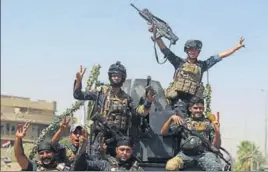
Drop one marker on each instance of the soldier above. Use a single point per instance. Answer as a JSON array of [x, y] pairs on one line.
[[124, 160], [189, 72], [77, 136], [46, 152], [191, 150], [115, 105]]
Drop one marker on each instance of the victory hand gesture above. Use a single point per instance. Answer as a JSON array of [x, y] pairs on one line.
[[80, 74], [216, 123], [22, 129], [241, 42], [64, 123]]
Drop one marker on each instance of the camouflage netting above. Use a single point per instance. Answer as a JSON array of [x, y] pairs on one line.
[[53, 127], [208, 92]]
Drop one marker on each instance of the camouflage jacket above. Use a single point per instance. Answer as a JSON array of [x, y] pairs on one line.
[[193, 144], [37, 166], [109, 163]]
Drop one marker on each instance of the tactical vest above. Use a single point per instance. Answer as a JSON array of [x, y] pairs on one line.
[[114, 166], [59, 167], [192, 145], [116, 110], [186, 80]]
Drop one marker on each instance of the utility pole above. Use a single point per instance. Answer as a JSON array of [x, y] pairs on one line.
[[265, 122]]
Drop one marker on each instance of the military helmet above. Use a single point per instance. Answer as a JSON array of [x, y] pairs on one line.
[[117, 68], [46, 146], [192, 44]]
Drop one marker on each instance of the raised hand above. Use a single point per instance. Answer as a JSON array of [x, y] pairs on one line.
[[151, 93], [64, 123], [22, 129], [80, 74], [216, 123], [241, 42]]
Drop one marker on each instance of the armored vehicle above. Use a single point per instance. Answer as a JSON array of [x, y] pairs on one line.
[[153, 149]]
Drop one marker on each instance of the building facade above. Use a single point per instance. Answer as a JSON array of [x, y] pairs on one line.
[[16, 110]]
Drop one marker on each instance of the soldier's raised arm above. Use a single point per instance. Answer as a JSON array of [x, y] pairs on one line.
[[233, 50], [77, 91], [63, 126], [21, 158], [172, 58], [218, 57], [215, 135], [144, 108]]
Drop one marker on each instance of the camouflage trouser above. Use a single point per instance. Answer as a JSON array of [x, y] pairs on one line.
[[207, 161]]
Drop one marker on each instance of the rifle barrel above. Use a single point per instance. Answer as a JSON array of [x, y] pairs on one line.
[[135, 7]]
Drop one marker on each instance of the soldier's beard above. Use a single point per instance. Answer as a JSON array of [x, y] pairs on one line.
[[47, 161], [123, 160], [197, 115]]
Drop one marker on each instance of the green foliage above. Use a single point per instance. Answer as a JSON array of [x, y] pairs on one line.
[[53, 127], [248, 151], [208, 92]]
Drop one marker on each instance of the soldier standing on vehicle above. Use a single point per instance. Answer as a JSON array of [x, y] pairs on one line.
[[124, 160], [191, 147], [77, 136], [46, 152], [115, 105], [189, 72]]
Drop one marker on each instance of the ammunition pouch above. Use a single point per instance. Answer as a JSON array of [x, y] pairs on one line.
[[183, 85], [192, 146]]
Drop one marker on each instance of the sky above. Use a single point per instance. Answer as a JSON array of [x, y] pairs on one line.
[[43, 43]]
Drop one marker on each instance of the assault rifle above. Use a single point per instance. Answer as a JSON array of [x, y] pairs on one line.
[[91, 113], [105, 129], [207, 144], [159, 28], [116, 134]]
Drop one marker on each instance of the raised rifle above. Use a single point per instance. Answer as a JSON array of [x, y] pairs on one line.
[[144, 121], [159, 28]]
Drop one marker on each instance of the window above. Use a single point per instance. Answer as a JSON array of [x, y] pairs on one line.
[[13, 129], [23, 110], [2, 129], [34, 128], [8, 128]]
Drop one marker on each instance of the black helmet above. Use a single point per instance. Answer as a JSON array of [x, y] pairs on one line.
[[46, 146], [192, 44], [117, 68]]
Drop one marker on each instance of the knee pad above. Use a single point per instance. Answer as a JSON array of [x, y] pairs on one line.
[[174, 164]]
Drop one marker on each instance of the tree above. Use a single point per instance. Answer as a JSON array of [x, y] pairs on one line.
[[249, 157]]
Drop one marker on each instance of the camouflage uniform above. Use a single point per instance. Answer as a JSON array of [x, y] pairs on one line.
[[55, 166], [187, 78], [118, 110], [37, 166], [108, 163], [192, 151]]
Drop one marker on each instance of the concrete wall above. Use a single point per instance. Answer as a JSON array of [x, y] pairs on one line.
[[15, 110]]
